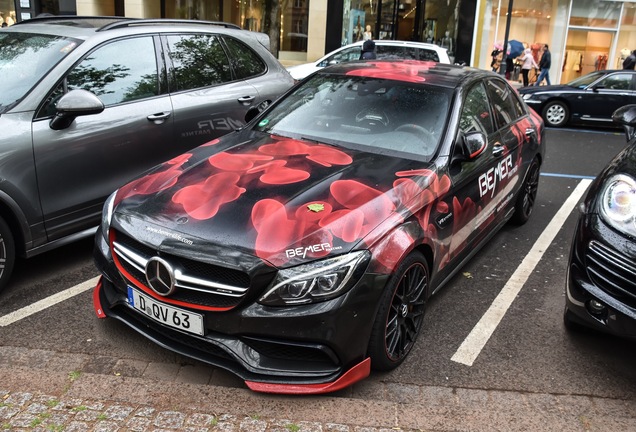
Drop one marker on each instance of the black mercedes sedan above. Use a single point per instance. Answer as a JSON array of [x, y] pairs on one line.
[[601, 281], [300, 251], [590, 99]]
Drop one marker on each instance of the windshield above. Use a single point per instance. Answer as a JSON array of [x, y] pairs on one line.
[[24, 59], [586, 80], [375, 115]]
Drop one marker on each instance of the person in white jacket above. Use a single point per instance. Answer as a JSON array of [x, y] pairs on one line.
[[527, 63]]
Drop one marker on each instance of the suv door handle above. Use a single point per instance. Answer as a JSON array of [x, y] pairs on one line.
[[246, 100], [159, 117]]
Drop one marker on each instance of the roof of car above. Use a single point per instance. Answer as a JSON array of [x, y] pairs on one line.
[[414, 71], [83, 27]]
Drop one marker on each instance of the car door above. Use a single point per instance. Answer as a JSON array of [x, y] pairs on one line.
[[605, 96], [79, 166], [208, 100]]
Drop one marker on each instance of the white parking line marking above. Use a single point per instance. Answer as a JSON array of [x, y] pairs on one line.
[[47, 302], [473, 344]]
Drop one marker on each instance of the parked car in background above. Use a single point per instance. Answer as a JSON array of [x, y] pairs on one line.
[[601, 281], [590, 99], [88, 104], [385, 49], [300, 251]]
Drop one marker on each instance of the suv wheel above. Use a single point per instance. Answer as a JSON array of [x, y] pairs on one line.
[[7, 253]]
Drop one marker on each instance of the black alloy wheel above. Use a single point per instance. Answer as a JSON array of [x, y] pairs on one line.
[[527, 195], [401, 313]]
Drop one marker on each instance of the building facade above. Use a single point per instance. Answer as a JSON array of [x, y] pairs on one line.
[[583, 35]]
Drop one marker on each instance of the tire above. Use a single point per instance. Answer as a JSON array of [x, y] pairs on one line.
[[556, 114], [400, 314], [527, 195], [7, 254]]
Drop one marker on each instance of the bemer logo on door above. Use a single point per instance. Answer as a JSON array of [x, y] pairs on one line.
[[489, 180]]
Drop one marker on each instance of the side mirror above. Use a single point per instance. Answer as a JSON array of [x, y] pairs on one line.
[[626, 116], [74, 104], [469, 146], [598, 87]]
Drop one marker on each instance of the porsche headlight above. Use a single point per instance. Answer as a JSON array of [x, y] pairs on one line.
[[618, 203], [317, 281], [107, 214]]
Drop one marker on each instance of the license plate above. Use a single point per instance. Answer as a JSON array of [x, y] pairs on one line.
[[169, 315]]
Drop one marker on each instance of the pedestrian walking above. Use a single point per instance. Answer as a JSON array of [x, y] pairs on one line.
[[544, 66], [630, 61], [527, 63]]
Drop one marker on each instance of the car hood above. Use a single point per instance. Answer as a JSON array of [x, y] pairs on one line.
[[544, 89], [282, 200], [299, 72]]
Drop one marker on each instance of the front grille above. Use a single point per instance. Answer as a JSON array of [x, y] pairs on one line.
[[197, 283], [612, 272]]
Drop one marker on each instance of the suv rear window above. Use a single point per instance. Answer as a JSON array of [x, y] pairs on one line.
[[245, 62]]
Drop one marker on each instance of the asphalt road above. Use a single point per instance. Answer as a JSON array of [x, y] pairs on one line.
[[529, 349]]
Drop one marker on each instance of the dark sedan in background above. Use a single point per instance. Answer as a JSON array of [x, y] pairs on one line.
[[590, 99], [601, 282]]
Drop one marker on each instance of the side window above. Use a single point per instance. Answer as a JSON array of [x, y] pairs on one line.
[[425, 54], [346, 55], [120, 71], [506, 105], [475, 115], [197, 61], [246, 63], [617, 82], [389, 52]]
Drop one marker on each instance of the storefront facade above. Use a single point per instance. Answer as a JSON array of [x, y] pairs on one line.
[[583, 35]]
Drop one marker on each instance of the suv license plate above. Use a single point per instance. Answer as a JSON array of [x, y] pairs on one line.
[[169, 315]]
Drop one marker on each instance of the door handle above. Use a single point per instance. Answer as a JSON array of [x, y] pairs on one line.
[[530, 132], [246, 100], [497, 150], [159, 117]]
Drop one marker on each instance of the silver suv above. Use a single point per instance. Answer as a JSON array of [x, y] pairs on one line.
[[89, 103]]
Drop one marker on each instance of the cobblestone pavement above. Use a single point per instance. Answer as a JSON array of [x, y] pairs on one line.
[[48, 391]]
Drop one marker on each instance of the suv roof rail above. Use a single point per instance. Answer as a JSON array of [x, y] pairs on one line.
[[74, 20], [135, 21]]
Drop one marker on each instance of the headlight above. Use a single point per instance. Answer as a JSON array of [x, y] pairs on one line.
[[527, 97], [107, 214], [317, 281], [618, 203]]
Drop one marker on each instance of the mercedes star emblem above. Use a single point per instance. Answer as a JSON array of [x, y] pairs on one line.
[[160, 276]]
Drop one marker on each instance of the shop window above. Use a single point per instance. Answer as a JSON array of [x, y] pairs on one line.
[[198, 61], [594, 13]]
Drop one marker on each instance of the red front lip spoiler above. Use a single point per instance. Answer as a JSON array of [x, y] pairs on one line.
[[353, 375]]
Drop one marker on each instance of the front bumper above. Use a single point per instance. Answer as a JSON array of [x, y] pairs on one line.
[[314, 348], [601, 279]]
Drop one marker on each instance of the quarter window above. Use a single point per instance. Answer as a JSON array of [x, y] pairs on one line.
[[245, 62], [507, 107], [198, 61], [475, 116]]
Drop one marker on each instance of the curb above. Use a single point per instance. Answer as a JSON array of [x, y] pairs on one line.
[[48, 391]]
